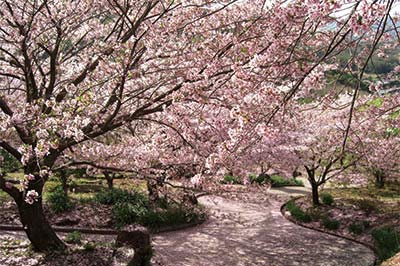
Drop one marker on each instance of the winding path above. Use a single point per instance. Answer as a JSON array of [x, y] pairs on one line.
[[252, 231]]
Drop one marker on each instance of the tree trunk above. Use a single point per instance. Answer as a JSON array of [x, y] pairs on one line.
[[314, 185], [315, 196], [37, 228], [34, 222], [153, 191], [110, 179], [379, 181]]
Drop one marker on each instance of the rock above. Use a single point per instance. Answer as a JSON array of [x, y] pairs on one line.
[[122, 255], [137, 238], [134, 236]]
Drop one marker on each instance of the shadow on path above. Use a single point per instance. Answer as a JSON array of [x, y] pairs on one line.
[[243, 233]]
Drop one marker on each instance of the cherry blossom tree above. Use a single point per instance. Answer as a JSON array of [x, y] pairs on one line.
[[375, 138], [72, 72], [319, 143]]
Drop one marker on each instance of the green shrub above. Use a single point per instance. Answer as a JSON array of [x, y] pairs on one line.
[[327, 198], [77, 172], [114, 196], [171, 216], [134, 207], [232, 180], [74, 237], [89, 246], [59, 202], [330, 224], [261, 179], [316, 214], [368, 206], [298, 213], [279, 181], [358, 228], [129, 212], [387, 242], [366, 224], [52, 185]]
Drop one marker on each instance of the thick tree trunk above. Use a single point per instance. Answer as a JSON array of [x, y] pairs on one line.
[[110, 179], [315, 194], [37, 228]]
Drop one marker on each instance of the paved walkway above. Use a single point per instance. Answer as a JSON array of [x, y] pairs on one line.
[[252, 231]]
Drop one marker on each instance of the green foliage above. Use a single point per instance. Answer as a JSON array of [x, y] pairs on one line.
[[330, 224], [327, 199], [395, 114], [387, 242], [233, 180], [305, 100], [59, 202], [129, 212], [261, 179], [316, 214], [380, 65], [358, 228], [298, 213], [114, 196], [134, 207], [9, 164], [376, 102], [89, 246], [52, 185], [279, 181], [74, 237], [367, 205], [346, 79], [171, 216], [77, 172], [392, 132]]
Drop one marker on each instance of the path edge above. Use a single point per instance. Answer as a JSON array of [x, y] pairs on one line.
[[292, 220]]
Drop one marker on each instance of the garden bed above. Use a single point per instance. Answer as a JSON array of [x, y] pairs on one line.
[[360, 214], [110, 210]]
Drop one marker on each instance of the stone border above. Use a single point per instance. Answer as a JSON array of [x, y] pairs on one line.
[[292, 220], [97, 231]]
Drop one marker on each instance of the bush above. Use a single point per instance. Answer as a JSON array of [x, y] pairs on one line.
[[114, 196], [89, 246], [171, 216], [77, 172], [129, 212], [358, 228], [387, 242], [261, 179], [59, 202], [133, 207], [74, 237], [326, 198], [330, 224], [232, 180], [298, 213], [279, 181], [368, 206]]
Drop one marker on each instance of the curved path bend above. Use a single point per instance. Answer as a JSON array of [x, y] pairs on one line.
[[251, 232]]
